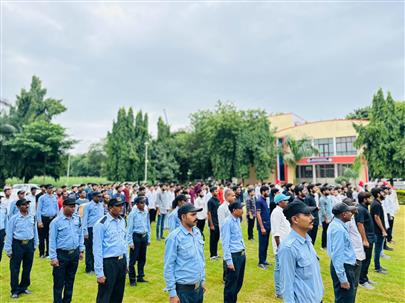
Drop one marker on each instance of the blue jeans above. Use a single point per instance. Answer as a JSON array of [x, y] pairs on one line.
[[263, 246], [377, 250], [277, 283], [160, 226]]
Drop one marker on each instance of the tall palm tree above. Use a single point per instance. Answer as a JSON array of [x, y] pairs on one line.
[[294, 150]]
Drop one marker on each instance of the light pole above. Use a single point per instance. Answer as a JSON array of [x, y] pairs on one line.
[[68, 169], [146, 161]]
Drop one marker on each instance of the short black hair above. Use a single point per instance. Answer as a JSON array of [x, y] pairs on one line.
[[212, 189], [264, 188], [274, 190], [250, 190], [375, 191], [363, 195], [298, 189], [310, 187]]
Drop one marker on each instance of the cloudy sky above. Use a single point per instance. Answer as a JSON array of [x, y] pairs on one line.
[[318, 60]]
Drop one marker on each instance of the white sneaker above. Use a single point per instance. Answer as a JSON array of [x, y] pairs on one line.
[[371, 282], [385, 257], [366, 285]]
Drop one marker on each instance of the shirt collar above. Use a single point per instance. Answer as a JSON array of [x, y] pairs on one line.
[[184, 230], [299, 237]]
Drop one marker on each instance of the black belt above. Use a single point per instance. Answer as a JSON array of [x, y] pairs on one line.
[[115, 258], [240, 253], [67, 251], [140, 235], [23, 242], [188, 287]]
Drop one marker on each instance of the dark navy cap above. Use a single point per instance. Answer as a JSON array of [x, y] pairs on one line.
[[235, 205], [95, 193], [114, 202], [341, 208], [21, 202], [295, 208], [140, 199], [188, 208], [69, 201]]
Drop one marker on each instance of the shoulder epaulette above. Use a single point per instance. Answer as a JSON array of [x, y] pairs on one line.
[[103, 219]]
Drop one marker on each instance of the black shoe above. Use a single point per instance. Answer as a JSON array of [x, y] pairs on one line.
[[162, 238], [142, 280], [388, 248], [132, 284]]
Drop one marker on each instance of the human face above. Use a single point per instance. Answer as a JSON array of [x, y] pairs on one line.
[[24, 207], [21, 195], [230, 197], [49, 191], [266, 193], [303, 221], [115, 211], [346, 216], [141, 206], [7, 192], [106, 198], [189, 220], [68, 210], [238, 212], [96, 199], [283, 203], [215, 193]]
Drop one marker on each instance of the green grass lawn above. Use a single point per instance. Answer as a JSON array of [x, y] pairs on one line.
[[258, 285]]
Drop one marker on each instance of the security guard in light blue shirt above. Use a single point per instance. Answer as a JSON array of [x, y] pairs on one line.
[[173, 218], [3, 224], [234, 253], [343, 258], [66, 247], [138, 238], [184, 263], [300, 276], [110, 254], [21, 241]]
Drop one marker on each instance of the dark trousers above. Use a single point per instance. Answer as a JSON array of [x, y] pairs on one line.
[[88, 243], [263, 246], [357, 272], [344, 295], [234, 278], [200, 225], [21, 253], [138, 254], [152, 215], [64, 275], [112, 291], [251, 225], [324, 233], [43, 235], [365, 264], [389, 230], [2, 235], [377, 250], [214, 238], [160, 226], [190, 294], [313, 232]]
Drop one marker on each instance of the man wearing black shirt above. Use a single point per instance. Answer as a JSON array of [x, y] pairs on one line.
[[377, 214], [365, 225], [212, 213], [42, 192], [310, 201]]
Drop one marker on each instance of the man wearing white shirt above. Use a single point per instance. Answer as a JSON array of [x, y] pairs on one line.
[[357, 244], [392, 206], [32, 198], [151, 196], [7, 199], [280, 228], [201, 202], [223, 209]]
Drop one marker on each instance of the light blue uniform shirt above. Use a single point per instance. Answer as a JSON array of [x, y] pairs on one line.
[[91, 214], [300, 275], [340, 248], [13, 209], [138, 222], [232, 240], [47, 206], [184, 258], [21, 228], [109, 240], [173, 220], [65, 233], [3, 216], [325, 203]]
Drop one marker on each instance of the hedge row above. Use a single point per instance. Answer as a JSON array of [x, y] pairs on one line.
[[401, 196]]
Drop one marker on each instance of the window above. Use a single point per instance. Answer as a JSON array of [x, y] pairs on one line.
[[325, 171], [324, 146], [344, 146], [304, 171], [342, 167]]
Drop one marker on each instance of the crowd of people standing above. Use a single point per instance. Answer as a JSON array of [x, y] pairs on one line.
[[109, 225]]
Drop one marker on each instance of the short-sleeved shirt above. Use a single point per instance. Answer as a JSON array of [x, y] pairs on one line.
[[363, 216], [213, 205], [377, 209], [263, 208]]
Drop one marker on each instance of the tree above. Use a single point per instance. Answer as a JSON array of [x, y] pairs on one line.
[[91, 163], [40, 149], [294, 150], [382, 140], [30, 143], [362, 113]]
